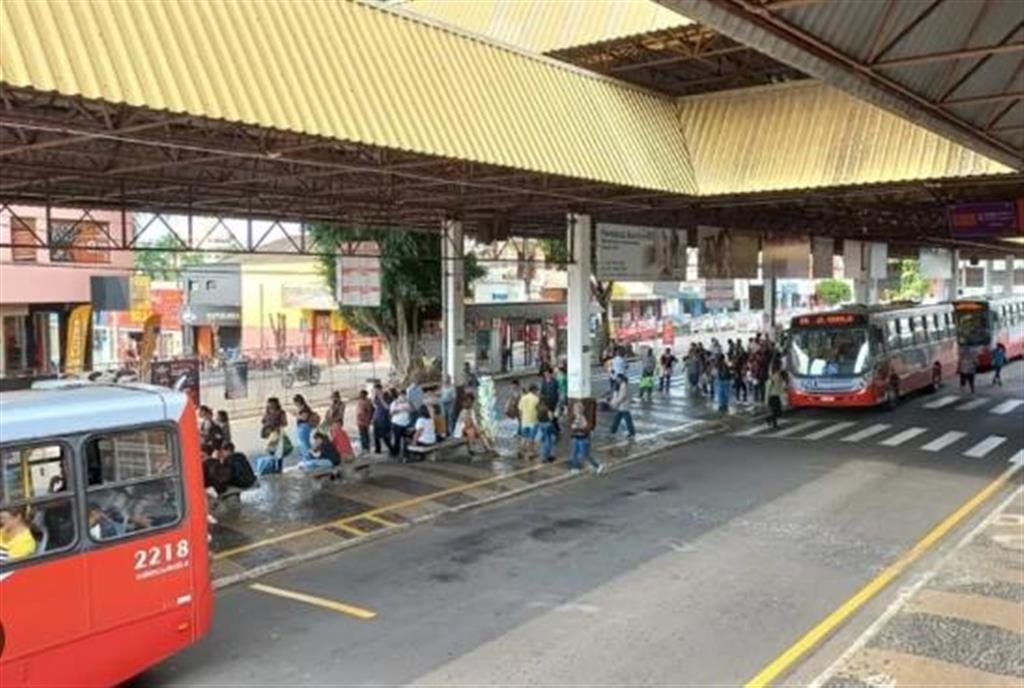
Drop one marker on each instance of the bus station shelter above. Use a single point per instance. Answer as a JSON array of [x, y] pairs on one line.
[[843, 119]]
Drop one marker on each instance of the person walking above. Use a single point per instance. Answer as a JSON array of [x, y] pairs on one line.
[[722, 380], [620, 404], [775, 388], [998, 361], [968, 367], [549, 395], [364, 419], [668, 363], [648, 368], [580, 429], [545, 435], [562, 378]]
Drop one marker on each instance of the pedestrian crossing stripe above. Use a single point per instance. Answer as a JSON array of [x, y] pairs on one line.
[[943, 441], [981, 449], [794, 429], [830, 430], [942, 402], [972, 404], [902, 437], [1007, 406], [758, 429], [867, 432]]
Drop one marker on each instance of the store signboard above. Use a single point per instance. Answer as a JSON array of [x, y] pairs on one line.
[[357, 275], [974, 220], [630, 253]]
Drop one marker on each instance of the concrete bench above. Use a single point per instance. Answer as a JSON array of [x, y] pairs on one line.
[[431, 451]]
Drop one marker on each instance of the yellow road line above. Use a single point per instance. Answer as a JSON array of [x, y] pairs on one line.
[[349, 529], [378, 519], [323, 602], [813, 637], [374, 512]]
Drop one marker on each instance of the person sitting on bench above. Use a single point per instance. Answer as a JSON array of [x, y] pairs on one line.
[[322, 454], [341, 441], [424, 433]]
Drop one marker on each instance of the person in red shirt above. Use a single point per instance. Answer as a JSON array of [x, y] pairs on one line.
[[341, 441]]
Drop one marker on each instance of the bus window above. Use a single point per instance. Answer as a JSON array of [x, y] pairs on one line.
[[972, 328], [134, 483], [920, 329], [892, 335], [906, 332], [36, 502], [830, 352]]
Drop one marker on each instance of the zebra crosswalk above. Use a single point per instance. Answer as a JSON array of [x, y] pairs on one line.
[[984, 404], [883, 435]]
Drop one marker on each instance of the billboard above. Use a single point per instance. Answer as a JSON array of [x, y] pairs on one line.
[[357, 275], [975, 220], [629, 253], [180, 374], [726, 253], [788, 256]]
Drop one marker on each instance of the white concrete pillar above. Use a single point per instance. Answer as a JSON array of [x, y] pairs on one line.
[[453, 300], [578, 344], [1008, 274]]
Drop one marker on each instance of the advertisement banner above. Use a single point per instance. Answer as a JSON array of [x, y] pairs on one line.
[[357, 275], [78, 339], [147, 349], [719, 293], [936, 263], [180, 374], [822, 249], [788, 256], [726, 253], [879, 266], [974, 220], [854, 265], [140, 306], [628, 253]]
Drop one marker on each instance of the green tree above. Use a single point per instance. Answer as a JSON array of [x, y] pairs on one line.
[[557, 251], [162, 261], [912, 287], [833, 291], [410, 286]]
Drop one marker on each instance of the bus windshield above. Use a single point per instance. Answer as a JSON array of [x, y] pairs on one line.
[[830, 352], [972, 328]]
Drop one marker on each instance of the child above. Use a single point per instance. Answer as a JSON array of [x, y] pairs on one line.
[[646, 385]]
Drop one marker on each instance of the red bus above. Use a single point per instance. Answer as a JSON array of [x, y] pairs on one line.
[[982, 323], [104, 567], [868, 355]]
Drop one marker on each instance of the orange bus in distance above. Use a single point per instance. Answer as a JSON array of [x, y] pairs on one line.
[[984, 322], [869, 355], [104, 566]]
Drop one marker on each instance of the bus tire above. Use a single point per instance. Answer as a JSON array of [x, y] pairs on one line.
[[936, 377], [892, 394]]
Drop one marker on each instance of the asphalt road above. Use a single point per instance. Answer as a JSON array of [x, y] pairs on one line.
[[698, 566]]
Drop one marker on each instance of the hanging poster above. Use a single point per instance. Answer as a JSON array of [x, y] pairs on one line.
[[719, 294], [357, 275], [640, 254], [788, 256], [822, 249], [936, 263], [726, 253], [879, 266], [854, 265]]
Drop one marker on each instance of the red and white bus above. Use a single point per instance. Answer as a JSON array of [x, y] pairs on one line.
[[868, 355], [984, 322], [104, 566]]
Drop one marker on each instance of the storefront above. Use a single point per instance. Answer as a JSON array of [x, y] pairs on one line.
[[515, 336]]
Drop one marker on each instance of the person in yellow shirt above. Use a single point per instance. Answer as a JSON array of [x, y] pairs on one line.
[[16, 541], [528, 404]]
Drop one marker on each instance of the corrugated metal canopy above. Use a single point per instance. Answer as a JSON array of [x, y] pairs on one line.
[[809, 135], [349, 72], [543, 26], [953, 65]]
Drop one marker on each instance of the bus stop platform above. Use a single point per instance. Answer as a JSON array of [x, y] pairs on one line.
[[292, 517]]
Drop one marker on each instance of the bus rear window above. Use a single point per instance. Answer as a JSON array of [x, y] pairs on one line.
[[972, 328], [36, 502], [134, 483]]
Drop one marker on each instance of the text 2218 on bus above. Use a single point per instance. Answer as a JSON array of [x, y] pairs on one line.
[[983, 323], [868, 355], [104, 567]]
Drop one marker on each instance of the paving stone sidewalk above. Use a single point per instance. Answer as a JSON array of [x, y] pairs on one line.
[[963, 627], [288, 518]]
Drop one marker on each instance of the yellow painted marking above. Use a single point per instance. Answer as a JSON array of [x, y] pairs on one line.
[[381, 521], [358, 612], [813, 637], [350, 529], [376, 511]]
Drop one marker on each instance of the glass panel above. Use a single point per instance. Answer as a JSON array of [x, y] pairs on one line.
[[830, 352], [36, 502], [972, 328]]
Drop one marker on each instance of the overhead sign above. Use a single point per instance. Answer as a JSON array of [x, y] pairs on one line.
[[630, 253], [726, 253], [788, 256], [974, 220], [357, 275]]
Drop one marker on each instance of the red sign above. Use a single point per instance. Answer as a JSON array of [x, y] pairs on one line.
[[668, 333]]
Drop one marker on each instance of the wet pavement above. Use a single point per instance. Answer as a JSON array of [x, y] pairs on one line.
[[964, 626], [292, 517]]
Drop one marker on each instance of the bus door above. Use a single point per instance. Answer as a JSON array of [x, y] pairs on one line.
[[43, 601], [139, 568]]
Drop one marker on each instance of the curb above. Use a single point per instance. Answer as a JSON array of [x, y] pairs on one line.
[[710, 427]]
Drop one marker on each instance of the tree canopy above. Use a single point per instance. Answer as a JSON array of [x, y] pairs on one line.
[[161, 261], [833, 291]]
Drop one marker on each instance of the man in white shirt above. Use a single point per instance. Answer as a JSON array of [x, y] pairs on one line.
[[424, 432]]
